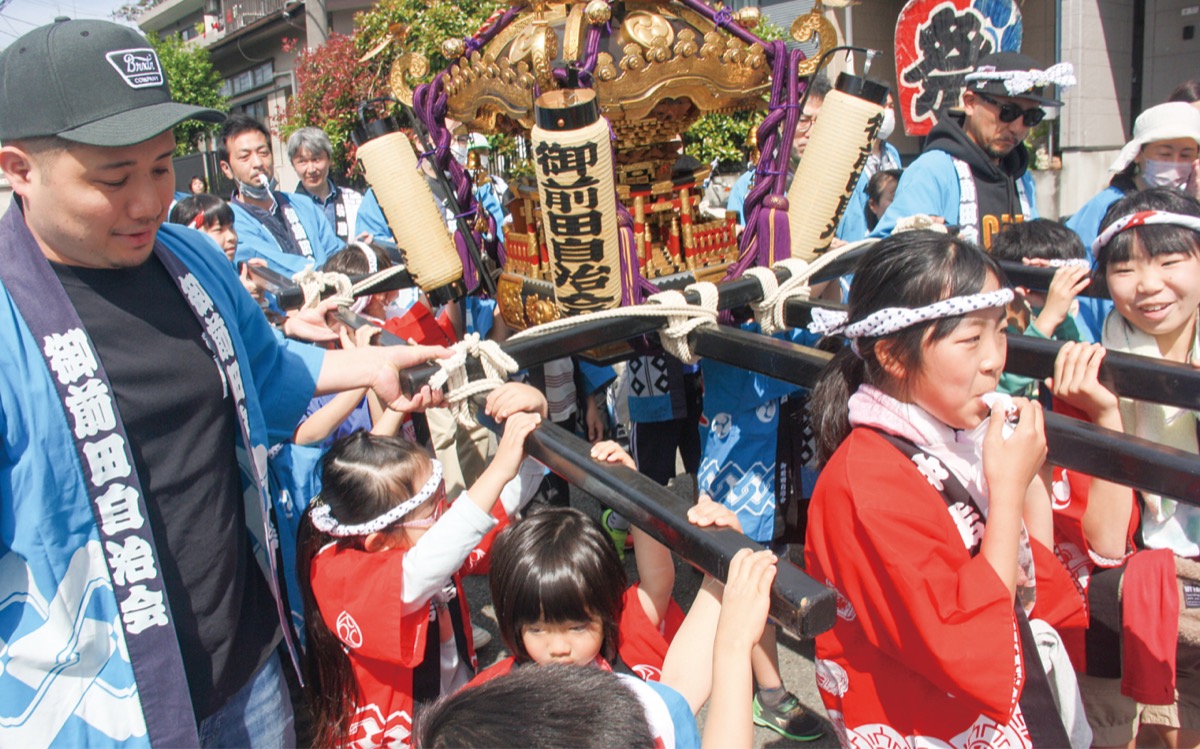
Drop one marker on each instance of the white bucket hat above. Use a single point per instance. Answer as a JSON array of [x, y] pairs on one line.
[[1175, 119]]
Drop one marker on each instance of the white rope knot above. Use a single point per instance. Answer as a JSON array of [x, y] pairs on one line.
[[346, 294], [497, 366], [314, 282], [683, 318], [919, 222], [770, 311]]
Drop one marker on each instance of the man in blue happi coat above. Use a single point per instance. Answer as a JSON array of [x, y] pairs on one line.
[[140, 388]]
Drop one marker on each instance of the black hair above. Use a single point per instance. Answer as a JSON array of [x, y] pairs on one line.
[[1187, 92], [351, 260], [1038, 238], [538, 707], [911, 269], [215, 212], [556, 565], [874, 191], [1154, 239], [362, 476], [233, 126]]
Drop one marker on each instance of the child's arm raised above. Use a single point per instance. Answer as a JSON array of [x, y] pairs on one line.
[[443, 550], [744, 606], [1066, 284], [1109, 507], [1009, 466], [688, 667]]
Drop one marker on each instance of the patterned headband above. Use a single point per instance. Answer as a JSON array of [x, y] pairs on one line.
[[324, 521], [1143, 218], [1017, 82], [891, 319]]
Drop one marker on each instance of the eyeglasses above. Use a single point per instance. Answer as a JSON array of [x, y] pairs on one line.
[[1009, 112], [805, 123]]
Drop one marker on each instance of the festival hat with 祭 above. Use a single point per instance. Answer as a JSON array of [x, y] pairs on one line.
[[92, 82], [1015, 75]]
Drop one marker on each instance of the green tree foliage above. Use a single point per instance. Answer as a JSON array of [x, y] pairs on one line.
[[723, 136], [429, 22], [193, 80], [330, 83], [333, 78]]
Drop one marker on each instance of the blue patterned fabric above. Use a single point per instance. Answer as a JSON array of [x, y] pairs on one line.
[[65, 676]]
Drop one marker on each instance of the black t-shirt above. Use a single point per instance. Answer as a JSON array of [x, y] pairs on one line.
[[182, 431]]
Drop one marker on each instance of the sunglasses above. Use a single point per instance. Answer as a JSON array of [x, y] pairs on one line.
[[1010, 112]]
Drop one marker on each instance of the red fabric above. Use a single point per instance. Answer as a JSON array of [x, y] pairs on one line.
[[358, 593], [1149, 627], [419, 324], [925, 643], [1069, 499], [643, 646]]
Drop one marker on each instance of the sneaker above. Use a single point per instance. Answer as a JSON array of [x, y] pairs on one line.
[[789, 719], [481, 636], [618, 537]]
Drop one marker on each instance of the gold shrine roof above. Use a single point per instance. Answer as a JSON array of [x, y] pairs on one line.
[[660, 67]]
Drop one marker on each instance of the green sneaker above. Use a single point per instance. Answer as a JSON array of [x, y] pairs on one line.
[[618, 536], [789, 719]]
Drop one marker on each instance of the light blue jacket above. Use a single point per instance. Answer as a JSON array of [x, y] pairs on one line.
[[67, 679], [930, 186], [853, 226], [256, 241], [1086, 223]]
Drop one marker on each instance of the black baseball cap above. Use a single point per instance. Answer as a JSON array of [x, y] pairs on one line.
[[1009, 62], [92, 82]]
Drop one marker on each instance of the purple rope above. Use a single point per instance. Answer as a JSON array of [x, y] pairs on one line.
[[722, 18]]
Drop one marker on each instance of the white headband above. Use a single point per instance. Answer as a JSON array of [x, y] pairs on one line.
[[360, 303], [1069, 262], [1142, 218], [1017, 82], [891, 319], [324, 521]]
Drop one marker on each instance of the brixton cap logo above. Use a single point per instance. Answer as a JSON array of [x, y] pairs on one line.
[[92, 82], [139, 67]]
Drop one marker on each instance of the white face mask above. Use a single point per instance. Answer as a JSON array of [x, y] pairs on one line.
[[261, 191], [889, 124], [1166, 173]]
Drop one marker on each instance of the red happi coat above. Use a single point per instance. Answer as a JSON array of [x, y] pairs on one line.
[[925, 650], [358, 593], [643, 646]]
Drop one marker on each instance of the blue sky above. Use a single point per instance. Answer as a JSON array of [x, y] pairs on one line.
[[20, 16]]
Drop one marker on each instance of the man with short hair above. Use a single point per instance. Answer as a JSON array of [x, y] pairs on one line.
[[974, 171], [290, 232], [140, 387], [817, 89], [310, 152]]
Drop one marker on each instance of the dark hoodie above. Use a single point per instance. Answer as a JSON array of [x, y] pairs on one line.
[[995, 184]]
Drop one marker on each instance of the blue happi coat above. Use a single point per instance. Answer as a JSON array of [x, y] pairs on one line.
[[65, 674], [739, 434]]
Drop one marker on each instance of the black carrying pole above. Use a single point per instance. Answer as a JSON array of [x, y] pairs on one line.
[[290, 296], [540, 349], [798, 603]]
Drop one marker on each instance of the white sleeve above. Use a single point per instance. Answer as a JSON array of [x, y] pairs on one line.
[[431, 562]]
